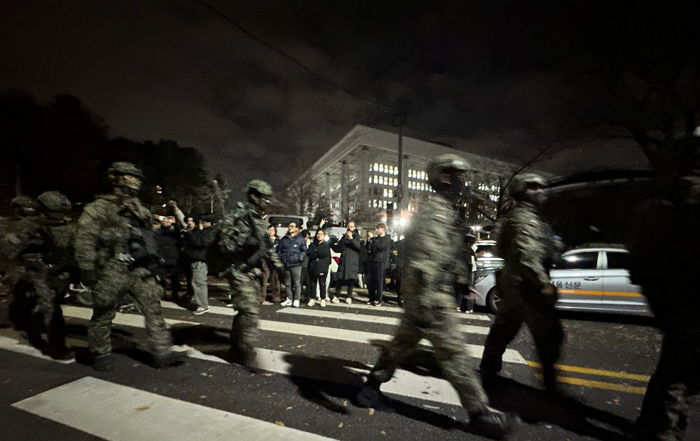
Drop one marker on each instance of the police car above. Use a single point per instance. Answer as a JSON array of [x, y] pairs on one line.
[[588, 278]]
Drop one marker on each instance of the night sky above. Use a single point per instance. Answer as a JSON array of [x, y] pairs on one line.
[[488, 77]]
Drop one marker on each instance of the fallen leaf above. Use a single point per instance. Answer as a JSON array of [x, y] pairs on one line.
[[340, 426], [279, 423], [371, 412], [141, 409]]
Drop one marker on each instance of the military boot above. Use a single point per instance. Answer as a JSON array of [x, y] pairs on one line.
[[493, 423], [246, 362], [103, 363], [168, 358], [369, 396]]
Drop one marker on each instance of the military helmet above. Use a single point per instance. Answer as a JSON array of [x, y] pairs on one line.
[[54, 201], [25, 202], [526, 181], [446, 162], [259, 186], [124, 168]]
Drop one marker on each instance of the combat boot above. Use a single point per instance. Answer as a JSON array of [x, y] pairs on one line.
[[59, 352], [369, 396], [168, 358], [246, 362], [103, 363], [493, 423]]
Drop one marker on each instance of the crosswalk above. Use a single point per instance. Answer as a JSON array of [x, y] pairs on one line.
[[286, 335]]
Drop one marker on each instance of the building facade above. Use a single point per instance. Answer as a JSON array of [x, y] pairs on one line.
[[360, 176]]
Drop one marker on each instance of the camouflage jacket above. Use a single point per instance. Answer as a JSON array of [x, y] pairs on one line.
[[23, 236], [243, 240], [433, 251], [60, 254], [107, 230], [527, 244]]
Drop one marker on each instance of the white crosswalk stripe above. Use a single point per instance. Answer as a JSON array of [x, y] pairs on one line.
[[12, 341], [120, 413], [366, 318], [365, 307], [404, 383], [332, 333]]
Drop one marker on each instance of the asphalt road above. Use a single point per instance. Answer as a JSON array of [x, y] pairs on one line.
[[313, 360]]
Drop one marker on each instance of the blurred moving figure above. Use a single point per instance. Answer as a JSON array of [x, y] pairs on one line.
[[672, 293]]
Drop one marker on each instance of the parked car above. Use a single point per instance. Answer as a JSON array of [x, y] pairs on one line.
[[485, 251], [591, 278]]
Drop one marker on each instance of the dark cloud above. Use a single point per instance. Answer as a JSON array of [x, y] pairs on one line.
[[472, 74]]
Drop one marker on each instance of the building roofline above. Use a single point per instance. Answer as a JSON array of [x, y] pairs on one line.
[[380, 139]]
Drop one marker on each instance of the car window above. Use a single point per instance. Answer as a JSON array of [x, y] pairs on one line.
[[585, 260], [618, 260]]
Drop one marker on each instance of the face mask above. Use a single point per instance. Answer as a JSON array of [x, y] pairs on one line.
[[128, 186], [536, 197], [454, 189]]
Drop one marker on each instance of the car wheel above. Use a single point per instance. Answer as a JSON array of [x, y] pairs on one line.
[[493, 300]]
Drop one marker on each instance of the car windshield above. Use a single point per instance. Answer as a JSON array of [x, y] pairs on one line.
[[485, 251]]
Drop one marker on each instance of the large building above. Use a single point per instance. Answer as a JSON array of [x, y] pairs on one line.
[[359, 175]]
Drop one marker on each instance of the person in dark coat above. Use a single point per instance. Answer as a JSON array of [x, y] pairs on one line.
[[169, 244], [271, 280], [349, 247], [319, 255], [196, 243], [379, 249], [364, 258]]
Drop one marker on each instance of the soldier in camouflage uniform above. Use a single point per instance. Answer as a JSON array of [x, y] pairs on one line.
[[116, 253], [432, 264], [25, 273], [528, 247], [245, 244], [672, 293], [58, 257]]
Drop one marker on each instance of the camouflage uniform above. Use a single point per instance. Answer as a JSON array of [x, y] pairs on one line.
[[432, 265], [244, 242], [527, 245], [673, 296], [25, 272], [432, 249], [115, 250], [59, 259]]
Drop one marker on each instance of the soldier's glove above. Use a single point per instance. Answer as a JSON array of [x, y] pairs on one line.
[[89, 278]]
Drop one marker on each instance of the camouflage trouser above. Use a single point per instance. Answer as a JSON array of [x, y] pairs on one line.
[[520, 305], [245, 290], [114, 282], [439, 326], [665, 410], [36, 301]]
